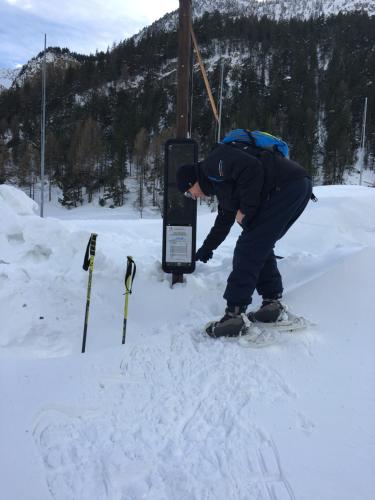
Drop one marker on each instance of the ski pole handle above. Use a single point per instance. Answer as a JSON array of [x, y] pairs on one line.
[[88, 264], [90, 251], [129, 278], [131, 269]]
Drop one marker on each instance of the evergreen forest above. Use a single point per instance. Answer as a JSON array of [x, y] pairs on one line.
[[109, 114]]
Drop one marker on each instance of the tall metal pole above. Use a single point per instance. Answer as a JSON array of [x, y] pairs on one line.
[[220, 101], [363, 141], [43, 129], [183, 69]]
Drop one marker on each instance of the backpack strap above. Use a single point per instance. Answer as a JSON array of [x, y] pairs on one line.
[[249, 135]]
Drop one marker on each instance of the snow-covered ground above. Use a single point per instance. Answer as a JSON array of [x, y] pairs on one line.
[[174, 415]]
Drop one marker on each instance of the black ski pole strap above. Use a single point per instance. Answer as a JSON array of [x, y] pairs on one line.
[[130, 272], [251, 138], [90, 251]]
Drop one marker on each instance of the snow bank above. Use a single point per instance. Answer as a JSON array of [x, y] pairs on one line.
[[38, 257], [13, 203], [14, 200]]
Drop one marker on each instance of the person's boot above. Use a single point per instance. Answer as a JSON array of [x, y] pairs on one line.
[[230, 324], [270, 311]]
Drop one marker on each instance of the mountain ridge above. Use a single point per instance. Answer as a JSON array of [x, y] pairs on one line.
[[285, 9], [277, 10]]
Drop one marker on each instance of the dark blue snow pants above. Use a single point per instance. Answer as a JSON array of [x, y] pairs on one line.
[[254, 261]]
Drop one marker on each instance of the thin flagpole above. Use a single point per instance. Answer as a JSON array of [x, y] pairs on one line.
[[363, 142], [43, 130]]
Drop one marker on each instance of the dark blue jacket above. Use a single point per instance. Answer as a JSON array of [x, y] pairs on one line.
[[242, 177]]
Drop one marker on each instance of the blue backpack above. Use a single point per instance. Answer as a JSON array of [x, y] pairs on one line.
[[261, 140]]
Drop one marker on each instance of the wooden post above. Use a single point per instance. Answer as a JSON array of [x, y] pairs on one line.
[[183, 83], [183, 69]]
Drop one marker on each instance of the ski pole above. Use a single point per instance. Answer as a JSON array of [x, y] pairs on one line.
[[88, 264], [129, 277]]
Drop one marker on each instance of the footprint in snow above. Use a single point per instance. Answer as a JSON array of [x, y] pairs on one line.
[[39, 253]]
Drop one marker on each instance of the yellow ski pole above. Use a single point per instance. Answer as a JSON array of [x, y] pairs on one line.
[[129, 277], [88, 264]]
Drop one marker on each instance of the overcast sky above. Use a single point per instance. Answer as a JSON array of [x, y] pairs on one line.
[[81, 25]]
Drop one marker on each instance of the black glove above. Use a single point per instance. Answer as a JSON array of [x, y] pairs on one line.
[[204, 254]]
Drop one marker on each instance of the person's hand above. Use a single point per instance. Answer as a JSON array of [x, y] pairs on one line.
[[239, 216], [204, 254]]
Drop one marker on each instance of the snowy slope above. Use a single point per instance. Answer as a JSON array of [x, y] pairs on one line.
[[60, 58], [172, 414], [284, 9], [7, 76], [273, 9]]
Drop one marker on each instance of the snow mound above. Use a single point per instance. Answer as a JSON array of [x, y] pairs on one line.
[[39, 258], [13, 200], [14, 204]]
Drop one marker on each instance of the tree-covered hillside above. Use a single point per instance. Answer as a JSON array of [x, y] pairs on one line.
[[108, 115]]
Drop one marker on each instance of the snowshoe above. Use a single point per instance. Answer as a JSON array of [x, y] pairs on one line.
[[254, 335], [235, 323], [252, 332], [230, 325], [269, 312], [273, 314]]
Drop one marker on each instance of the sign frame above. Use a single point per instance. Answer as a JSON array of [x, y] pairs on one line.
[[179, 212]]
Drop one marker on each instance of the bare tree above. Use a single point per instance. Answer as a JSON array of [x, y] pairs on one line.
[[140, 156], [4, 158]]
